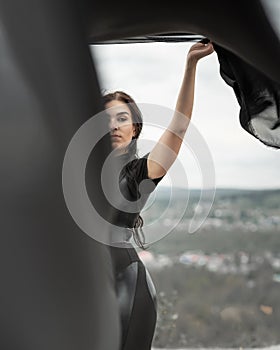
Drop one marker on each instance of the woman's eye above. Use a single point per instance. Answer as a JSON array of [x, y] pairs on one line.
[[122, 119]]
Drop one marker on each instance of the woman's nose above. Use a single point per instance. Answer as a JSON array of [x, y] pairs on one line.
[[113, 125]]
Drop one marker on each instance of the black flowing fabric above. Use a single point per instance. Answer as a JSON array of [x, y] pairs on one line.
[[257, 95], [56, 281], [134, 287]]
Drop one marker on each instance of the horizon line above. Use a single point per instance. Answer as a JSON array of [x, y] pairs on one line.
[[221, 188]]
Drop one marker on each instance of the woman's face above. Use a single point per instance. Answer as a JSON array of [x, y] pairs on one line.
[[120, 123]]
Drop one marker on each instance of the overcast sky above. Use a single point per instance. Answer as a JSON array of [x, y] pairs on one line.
[[152, 73]]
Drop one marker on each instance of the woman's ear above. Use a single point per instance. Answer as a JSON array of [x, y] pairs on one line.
[[134, 132]]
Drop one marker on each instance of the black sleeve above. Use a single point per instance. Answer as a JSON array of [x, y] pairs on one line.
[[140, 173]]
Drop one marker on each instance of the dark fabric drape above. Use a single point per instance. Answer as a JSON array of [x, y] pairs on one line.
[[257, 95]]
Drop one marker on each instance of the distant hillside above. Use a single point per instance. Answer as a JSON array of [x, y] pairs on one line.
[[232, 214], [266, 201], [163, 191]]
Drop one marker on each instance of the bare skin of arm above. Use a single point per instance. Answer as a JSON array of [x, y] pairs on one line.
[[165, 152]]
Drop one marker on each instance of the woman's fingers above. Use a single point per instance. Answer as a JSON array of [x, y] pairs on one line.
[[201, 46], [199, 50]]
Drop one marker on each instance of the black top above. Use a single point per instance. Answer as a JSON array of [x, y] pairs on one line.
[[135, 185]]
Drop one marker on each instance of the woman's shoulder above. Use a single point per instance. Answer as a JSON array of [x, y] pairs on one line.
[[139, 167]]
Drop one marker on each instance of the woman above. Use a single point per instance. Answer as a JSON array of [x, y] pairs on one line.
[[134, 287]]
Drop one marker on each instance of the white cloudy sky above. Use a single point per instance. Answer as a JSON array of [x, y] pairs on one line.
[[152, 73]]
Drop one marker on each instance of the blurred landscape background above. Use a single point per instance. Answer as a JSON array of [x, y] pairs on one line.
[[218, 287]]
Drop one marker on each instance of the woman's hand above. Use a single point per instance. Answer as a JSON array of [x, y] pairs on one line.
[[198, 51]]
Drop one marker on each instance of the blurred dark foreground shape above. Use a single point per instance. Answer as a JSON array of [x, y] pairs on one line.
[[56, 282]]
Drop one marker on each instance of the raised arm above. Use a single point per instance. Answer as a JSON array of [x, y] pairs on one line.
[[159, 159]]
